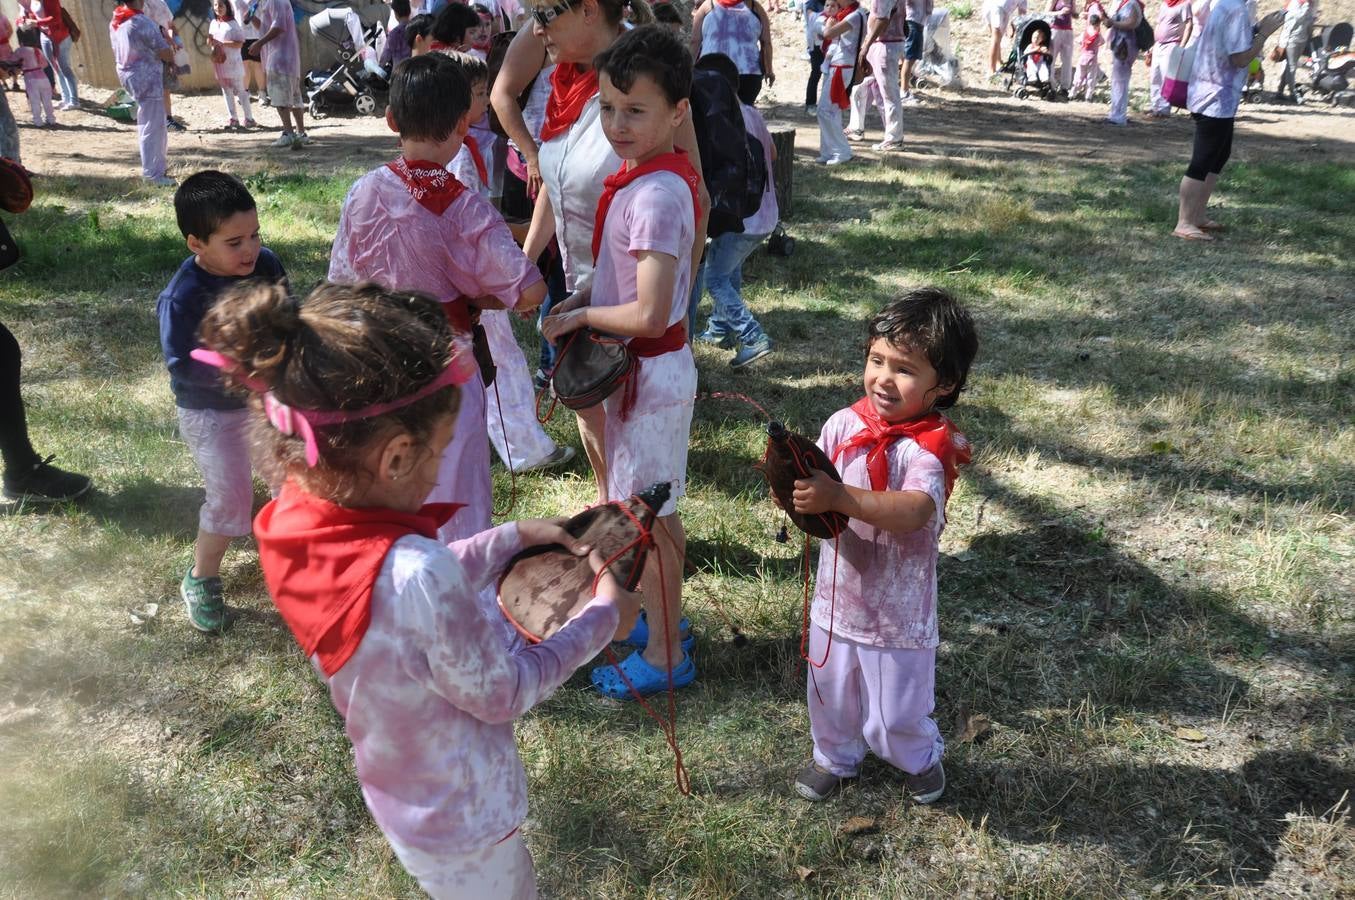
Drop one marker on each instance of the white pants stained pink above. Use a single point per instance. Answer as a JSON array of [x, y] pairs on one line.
[[152, 135], [1061, 45], [875, 699], [880, 88], [511, 399], [503, 871]]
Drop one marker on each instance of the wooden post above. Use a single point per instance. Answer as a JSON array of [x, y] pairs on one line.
[[783, 138]]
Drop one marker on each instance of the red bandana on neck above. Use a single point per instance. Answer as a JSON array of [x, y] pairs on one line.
[[320, 562], [431, 185], [730, 4], [933, 432], [473, 147], [121, 14], [675, 162], [571, 87]]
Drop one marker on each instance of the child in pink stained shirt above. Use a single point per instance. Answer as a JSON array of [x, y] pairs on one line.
[[1089, 53], [36, 85], [361, 387], [411, 225], [873, 635], [642, 244]]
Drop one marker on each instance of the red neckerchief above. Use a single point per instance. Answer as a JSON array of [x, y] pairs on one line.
[[320, 562], [122, 14], [473, 147], [675, 162], [730, 4], [438, 46], [842, 13], [571, 87], [933, 432], [1171, 3], [431, 185]]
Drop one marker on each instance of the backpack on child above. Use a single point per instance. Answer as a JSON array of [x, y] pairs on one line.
[[732, 161]]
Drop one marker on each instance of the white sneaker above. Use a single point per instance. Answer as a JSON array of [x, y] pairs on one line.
[[302, 140], [839, 160], [909, 99], [160, 181], [887, 145], [853, 135], [284, 140]]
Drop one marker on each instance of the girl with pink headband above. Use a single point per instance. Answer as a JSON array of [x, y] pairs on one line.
[[355, 392]]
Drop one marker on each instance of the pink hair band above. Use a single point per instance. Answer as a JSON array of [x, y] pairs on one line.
[[303, 422]]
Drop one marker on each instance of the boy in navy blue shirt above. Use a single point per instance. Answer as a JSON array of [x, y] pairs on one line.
[[219, 220]]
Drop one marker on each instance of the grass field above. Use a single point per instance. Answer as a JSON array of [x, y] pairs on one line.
[[1146, 580]]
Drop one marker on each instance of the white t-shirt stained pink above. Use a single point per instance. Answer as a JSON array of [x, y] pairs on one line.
[[654, 212], [886, 583]]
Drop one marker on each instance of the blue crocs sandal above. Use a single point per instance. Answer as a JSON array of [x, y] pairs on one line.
[[645, 678], [639, 635]]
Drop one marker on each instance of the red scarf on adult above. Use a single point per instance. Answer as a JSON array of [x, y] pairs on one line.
[[121, 14], [571, 87], [320, 562], [1171, 3], [473, 146], [730, 4], [675, 162], [431, 185], [933, 432]]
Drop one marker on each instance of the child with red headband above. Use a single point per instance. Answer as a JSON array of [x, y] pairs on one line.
[[354, 398], [411, 225], [642, 243], [873, 633]]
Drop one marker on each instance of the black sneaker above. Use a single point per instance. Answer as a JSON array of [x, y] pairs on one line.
[[174, 124], [45, 483]]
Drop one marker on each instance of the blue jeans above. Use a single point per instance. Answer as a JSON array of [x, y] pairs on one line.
[[60, 59], [556, 292], [724, 280]]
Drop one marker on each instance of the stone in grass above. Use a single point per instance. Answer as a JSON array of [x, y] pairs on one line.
[[1193, 735]]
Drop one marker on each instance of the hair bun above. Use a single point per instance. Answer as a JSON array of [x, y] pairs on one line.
[[256, 324]]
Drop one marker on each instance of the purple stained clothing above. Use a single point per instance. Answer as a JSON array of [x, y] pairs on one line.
[[735, 31], [896, 14], [231, 70], [918, 10], [1171, 23], [1063, 10], [1215, 83], [881, 587], [136, 44], [768, 214], [385, 236], [283, 53], [430, 695], [653, 212]]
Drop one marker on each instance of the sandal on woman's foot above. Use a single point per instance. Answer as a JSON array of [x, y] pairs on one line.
[[642, 676], [1211, 225], [1192, 235], [639, 635]]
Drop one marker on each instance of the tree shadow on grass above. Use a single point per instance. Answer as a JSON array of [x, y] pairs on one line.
[[1175, 823]]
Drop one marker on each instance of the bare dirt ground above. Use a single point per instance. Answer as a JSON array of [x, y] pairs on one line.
[[980, 120]]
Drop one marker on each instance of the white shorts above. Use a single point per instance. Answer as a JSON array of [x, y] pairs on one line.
[[284, 90], [503, 870], [651, 445], [996, 17], [219, 442]]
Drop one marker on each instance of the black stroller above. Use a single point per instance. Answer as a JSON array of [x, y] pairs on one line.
[[1027, 72], [1333, 67], [356, 78]]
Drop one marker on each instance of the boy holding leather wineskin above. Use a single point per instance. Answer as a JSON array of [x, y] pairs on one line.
[[873, 633], [642, 243]]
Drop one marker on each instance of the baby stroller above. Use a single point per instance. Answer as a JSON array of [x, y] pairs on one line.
[[1333, 67], [356, 78], [1034, 78], [938, 66]]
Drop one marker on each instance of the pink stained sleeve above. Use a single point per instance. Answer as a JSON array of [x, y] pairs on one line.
[[490, 262], [923, 472], [483, 556], [340, 260], [652, 215], [461, 655]]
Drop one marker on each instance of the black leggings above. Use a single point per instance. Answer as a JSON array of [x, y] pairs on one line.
[[1213, 146], [815, 72], [749, 87], [15, 449]]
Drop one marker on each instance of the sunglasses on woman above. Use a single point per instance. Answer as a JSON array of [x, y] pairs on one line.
[[545, 15]]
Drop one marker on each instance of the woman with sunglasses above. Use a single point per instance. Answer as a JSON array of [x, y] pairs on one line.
[[574, 158]]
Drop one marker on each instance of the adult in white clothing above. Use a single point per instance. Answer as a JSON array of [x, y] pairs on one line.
[[886, 29]]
